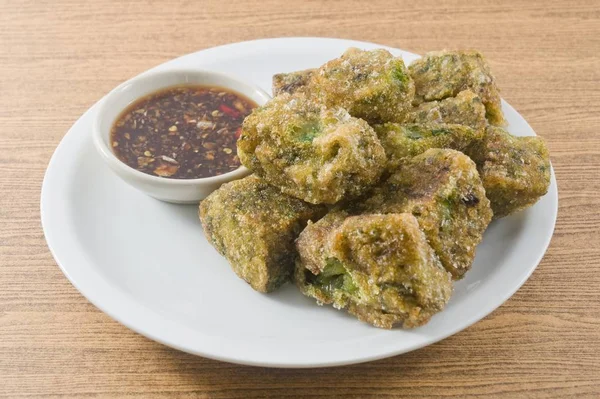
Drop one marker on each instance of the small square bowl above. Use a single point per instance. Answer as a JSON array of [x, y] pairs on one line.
[[181, 191]]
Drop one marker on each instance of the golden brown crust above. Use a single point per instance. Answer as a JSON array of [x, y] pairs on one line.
[[464, 109], [402, 142], [254, 226], [317, 154], [442, 188], [291, 82], [379, 267], [442, 74], [372, 85], [515, 170]]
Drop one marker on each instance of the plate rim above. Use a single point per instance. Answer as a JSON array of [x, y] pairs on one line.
[[91, 294]]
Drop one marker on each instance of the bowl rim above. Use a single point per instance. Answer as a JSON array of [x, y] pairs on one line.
[[146, 79]]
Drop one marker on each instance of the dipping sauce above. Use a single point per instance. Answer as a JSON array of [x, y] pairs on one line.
[[182, 132]]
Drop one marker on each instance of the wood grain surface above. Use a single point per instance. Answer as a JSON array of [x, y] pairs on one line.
[[59, 57]]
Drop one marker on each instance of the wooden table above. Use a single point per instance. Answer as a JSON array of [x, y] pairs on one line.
[[58, 58]]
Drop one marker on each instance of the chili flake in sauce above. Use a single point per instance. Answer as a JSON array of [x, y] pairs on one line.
[[182, 132]]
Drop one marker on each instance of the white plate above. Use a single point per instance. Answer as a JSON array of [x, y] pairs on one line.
[[147, 264]]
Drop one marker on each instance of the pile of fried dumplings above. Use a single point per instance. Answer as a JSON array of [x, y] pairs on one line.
[[373, 182]]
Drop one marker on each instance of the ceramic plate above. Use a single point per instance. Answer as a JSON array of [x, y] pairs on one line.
[[148, 265]]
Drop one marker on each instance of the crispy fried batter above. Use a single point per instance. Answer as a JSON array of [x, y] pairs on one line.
[[442, 74], [515, 170], [372, 85], [402, 142], [291, 82], [442, 189], [385, 145], [254, 226], [316, 154], [379, 267], [464, 109]]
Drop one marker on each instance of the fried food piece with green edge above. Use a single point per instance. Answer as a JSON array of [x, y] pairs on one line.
[[442, 189], [464, 109], [317, 154], [372, 85], [442, 74], [378, 267], [291, 82], [515, 170], [403, 142], [254, 226]]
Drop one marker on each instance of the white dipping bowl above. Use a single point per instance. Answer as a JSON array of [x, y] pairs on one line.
[[181, 191]]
